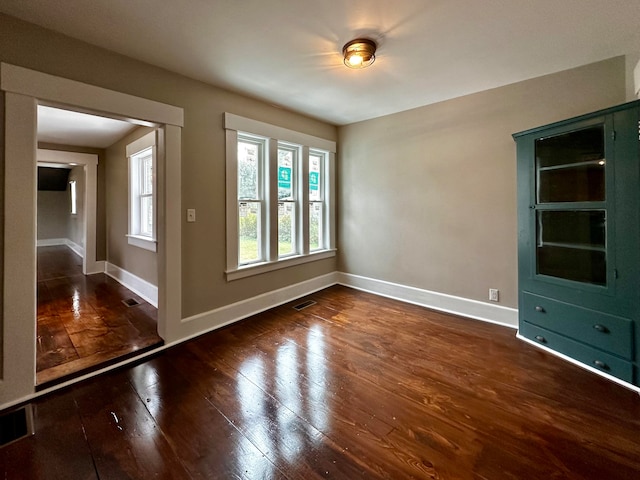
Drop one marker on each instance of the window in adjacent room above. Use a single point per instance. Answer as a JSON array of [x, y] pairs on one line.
[[74, 198], [142, 199], [280, 205]]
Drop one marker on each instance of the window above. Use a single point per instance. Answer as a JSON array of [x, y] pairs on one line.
[[280, 209], [142, 204], [287, 200], [250, 199], [74, 198], [317, 162]]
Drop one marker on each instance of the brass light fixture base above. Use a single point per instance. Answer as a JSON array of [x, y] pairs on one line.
[[359, 53]]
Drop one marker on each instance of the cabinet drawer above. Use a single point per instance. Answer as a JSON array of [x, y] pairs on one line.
[[583, 353], [606, 332]]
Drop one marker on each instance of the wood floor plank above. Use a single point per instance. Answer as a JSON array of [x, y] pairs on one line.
[[210, 445], [355, 386], [124, 438], [82, 322], [53, 345], [58, 451], [374, 407], [297, 446]]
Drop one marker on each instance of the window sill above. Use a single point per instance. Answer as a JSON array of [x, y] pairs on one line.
[[258, 268], [143, 242]]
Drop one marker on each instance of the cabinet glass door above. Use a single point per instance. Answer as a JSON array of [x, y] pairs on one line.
[[571, 214]]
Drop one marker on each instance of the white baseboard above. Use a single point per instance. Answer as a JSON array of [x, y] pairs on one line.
[[137, 285], [75, 247], [219, 317], [50, 242], [465, 307], [579, 364], [202, 323], [99, 267]]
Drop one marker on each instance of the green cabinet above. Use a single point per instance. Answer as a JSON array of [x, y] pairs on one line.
[[579, 239]]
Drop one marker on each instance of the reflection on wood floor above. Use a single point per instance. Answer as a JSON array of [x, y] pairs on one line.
[[355, 386], [82, 322]]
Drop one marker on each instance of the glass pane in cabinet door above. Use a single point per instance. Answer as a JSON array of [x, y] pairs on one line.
[[571, 167], [572, 245]]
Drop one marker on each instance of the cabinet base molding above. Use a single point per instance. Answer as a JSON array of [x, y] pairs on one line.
[[580, 364]]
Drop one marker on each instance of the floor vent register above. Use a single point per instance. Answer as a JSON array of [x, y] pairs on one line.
[[131, 302], [15, 425], [303, 305]]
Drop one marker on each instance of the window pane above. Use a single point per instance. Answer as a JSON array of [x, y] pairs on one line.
[[74, 201], [285, 174], [316, 234], [286, 228], [146, 174], [249, 228], [248, 167], [571, 166], [146, 216], [570, 148], [315, 169], [572, 245]]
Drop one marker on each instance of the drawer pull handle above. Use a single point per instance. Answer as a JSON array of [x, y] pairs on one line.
[[601, 365], [541, 339], [539, 309], [601, 328]]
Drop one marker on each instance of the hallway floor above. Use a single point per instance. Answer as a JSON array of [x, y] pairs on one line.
[[82, 323]]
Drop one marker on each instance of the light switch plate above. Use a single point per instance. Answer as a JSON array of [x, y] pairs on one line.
[[191, 215]]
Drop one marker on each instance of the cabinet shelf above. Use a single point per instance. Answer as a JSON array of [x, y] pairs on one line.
[[588, 163], [575, 246], [573, 206]]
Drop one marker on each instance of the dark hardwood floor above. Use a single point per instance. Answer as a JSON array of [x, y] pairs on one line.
[[356, 386], [82, 322]]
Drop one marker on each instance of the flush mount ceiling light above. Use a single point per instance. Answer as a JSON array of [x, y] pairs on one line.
[[359, 53]]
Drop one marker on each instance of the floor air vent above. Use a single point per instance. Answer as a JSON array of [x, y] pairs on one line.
[[131, 302], [304, 305], [16, 425]]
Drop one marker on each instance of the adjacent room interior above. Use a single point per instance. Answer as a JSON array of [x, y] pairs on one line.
[[86, 319], [340, 247]]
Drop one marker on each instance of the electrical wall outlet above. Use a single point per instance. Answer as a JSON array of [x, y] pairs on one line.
[[493, 294]]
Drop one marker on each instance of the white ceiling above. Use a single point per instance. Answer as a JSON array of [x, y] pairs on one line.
[[288, 52], [65, 127]]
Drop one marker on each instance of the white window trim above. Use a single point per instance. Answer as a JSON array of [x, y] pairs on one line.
[[234, 124], [135, 147]]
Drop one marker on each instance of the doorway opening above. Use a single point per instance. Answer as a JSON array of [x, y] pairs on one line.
[[82, 322], [22, 90]]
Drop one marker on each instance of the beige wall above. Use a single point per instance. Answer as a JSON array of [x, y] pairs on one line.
[[140, 262], [53, 214], [428, 196], [204, 286]]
